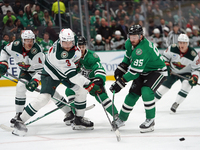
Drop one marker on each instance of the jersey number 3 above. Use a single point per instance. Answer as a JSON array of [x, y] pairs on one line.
[[68, 63]]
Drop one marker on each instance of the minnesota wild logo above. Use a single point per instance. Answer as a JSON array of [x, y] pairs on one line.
[[178, 65], [23, 66], [34, 50], [64, 54], [138, 51]]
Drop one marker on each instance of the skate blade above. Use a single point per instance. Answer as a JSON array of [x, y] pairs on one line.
[[19, 132], [68, 123], [80, 127], [150, 129]]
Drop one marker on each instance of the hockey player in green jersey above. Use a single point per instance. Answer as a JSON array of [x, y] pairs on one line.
[[60, 66], [147, 71], [182, 60], [29, 57], [46, 43], [91, 67]]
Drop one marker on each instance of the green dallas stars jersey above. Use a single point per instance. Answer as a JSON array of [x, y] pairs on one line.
[[144, 58], [182, 63], [46, 45], [61, 64], [91, 66]]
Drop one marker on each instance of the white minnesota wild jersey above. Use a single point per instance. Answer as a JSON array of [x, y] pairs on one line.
[[61, 64], [182, 63], [31, 61]]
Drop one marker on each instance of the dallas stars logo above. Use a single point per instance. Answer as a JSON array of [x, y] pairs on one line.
[[178, 65]]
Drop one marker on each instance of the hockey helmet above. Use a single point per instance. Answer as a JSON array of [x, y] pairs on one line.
[[66, 35], [98, 37], [117, 32], [188, 30], [27, 34], [81, 40], [135, 30], [156, 31], [183, 38]]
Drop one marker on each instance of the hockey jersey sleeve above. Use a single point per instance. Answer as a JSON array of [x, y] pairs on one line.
[[167, 55], [5, 52], [196, 66]]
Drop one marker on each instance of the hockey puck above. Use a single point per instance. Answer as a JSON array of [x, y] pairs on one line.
[[182, 139]]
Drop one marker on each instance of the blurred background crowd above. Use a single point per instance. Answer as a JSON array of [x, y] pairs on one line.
[[104, 23]]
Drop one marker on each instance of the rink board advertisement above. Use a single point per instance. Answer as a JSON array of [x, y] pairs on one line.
[[109, 60]]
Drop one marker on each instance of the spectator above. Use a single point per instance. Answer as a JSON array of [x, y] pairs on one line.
[[6, 7], [9, 16], [149, 13], [190, 36], [52, 33], [122, 28], [48, 18], [168, 17], [28, 13], [152, 26], [157, 38], [165, 37], [91, 8], [17, 7], [113, 28], [118, 42], [39, 12], [93, 18], [196, 36], [4, 42], [173, 35], [98, 44], [9, 28], [20, 27], [121, 10], [55, 10], [37, 38], [158, 13], [23, 19], [97, 24], [46, 43], [137, 17], [12, 38], [35, 21], [193, 11], [161, 26], [100, 6], [31, 5]]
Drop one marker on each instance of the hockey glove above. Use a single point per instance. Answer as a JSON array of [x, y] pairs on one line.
[[118, 85], [121, 70], [3, 68], [98, 81], [92, 88], [32, 85], [193, 80], [168, 68]]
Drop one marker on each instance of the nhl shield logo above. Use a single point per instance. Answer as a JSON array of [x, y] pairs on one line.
[[138, 51], [34, 50], [64, 54]]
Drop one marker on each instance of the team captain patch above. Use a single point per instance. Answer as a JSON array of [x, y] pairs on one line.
[[138, 51], [64, 54]]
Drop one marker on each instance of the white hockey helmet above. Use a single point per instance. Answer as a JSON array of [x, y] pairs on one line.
[[156, 31], [166, 29], [98, 37], [188, 30], [27, 34], [117, 32], [66, 35], [183, 38]]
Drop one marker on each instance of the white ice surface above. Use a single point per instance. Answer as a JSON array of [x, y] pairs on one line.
[[50, 133]]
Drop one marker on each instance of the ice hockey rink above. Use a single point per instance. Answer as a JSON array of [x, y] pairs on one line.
[[50, 132]]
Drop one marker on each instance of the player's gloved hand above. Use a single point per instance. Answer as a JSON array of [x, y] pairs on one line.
[[121, 70], [193, 80], [168, 68], [92, 88], [32, 85], [98, 81], [3, 68], [118, 85]]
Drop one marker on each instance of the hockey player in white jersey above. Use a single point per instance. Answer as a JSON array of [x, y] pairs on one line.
[[60, 66], [29, 57], [181, 59]]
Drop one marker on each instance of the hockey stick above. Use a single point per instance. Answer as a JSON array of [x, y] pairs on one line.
[[38, 90], [181, 76], [113, 105], [117, 133]]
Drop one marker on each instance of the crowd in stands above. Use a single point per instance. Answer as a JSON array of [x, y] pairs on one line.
[[162, 21]]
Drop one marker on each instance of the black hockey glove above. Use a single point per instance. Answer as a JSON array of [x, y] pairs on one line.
[[98, 81], [121, 70], [118, 85]]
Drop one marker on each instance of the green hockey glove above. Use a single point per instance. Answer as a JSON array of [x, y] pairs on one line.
[[193, 80], [92, 88], [32, 85], [3, 68]]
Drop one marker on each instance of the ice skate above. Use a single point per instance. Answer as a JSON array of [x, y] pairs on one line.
[[69, 117], [13, 120], [174, 107], [117, 123], [19, 128], [147, 126], [80, 123]]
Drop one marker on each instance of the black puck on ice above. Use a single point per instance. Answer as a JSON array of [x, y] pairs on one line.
[[182, 139]]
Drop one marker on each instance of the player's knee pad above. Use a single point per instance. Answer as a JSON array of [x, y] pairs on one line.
[[147, 93], [161, 91], [21, 90], [41, 101], [70, 94], [186, 86], [81, 95], [131, 99]]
